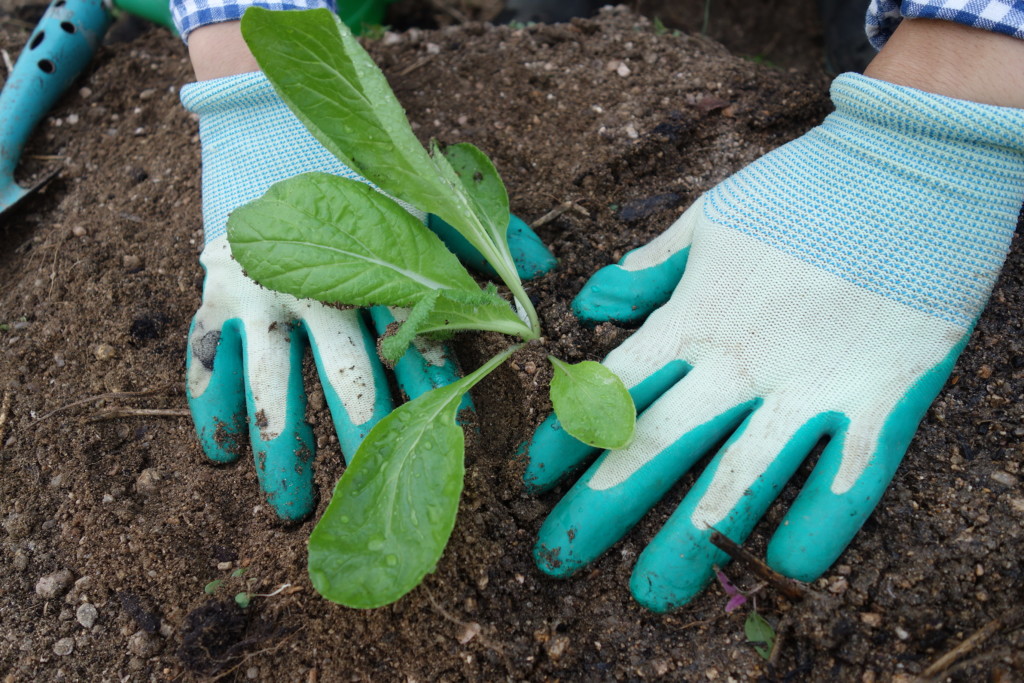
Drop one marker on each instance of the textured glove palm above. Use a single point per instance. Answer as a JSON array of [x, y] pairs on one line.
[[824, 291]]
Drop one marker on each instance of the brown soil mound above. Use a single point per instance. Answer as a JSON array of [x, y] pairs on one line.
[[99, 278]]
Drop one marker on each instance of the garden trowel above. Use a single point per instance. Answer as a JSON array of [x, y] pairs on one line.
[[59, 49]]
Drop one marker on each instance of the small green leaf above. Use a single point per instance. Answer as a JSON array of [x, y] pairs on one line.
[[238, 572], [592, 404], [212, 587], [337, 240], [243, 599], [394, 508], [760, 634], [480, 310]]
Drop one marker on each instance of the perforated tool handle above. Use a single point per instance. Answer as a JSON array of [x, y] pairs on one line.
[[58, 50]]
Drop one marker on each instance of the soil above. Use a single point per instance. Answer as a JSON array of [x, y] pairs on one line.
[[128, 524]]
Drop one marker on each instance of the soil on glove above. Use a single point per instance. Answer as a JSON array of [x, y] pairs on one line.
[[114, 524]]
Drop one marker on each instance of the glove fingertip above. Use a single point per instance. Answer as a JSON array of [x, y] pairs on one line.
[[222, 442], [628, 296], [531, 256], [284, 467]]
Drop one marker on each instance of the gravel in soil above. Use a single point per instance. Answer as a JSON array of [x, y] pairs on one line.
[[113, 527]]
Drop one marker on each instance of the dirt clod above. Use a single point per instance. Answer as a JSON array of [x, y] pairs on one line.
[[54, 585]]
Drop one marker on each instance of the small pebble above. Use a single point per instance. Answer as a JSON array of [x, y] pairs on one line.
[[20, 561], [557, 646], [1004, 478], [252, 673], [838, 585], [147, 94], [141, 644], [131, 261], [468, 632], [64, 647], [85, 93], [148, 481], [54, 585], [872, 619], [79, 231], [623, 70], [86, 615], [72, 119], [901, 633], [104, 352]]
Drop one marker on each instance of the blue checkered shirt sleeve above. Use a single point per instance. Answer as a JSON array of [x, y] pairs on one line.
[[1001, 16], [191, 14]]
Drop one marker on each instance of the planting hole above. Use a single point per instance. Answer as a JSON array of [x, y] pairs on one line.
[[67, 26], [38, 39], [46, 66]]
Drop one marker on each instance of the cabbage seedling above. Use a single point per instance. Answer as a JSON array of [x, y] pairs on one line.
[[342, 241]]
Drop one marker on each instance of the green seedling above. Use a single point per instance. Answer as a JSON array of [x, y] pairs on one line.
[[345, 242], [760, 634]]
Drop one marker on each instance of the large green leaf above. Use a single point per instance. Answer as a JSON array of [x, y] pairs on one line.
[[592, 404], [332, 85], [325, 237], [394, 508]]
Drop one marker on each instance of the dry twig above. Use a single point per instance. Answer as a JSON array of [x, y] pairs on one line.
[[458, 622], [558, 211], [101, 397], [415, 65], [123, 411], [1012, 619], [788, 587], [5, 409]]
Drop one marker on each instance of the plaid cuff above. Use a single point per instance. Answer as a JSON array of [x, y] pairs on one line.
[[191, 14], [1001, 16]]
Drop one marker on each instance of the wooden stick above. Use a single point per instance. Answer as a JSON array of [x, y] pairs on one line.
[[5, 408], [940, 665], [788, 587], [101, 397], [121, 411]]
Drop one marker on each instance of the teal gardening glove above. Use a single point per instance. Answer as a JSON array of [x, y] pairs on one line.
[[828, 290], [246, 343]]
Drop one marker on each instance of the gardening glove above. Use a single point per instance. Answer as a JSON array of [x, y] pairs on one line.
[[828, 290], [246, 343]]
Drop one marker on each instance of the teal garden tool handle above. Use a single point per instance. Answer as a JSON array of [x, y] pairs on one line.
[[60, 47]]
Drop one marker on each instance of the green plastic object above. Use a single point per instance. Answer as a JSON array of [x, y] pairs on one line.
[[157, 11], [359, 14]]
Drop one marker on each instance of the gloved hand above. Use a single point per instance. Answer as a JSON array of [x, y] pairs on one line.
[[246, 343], [828, 289]]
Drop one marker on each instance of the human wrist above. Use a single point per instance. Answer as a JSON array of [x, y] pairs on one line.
[[218, 50], [954, 60]]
